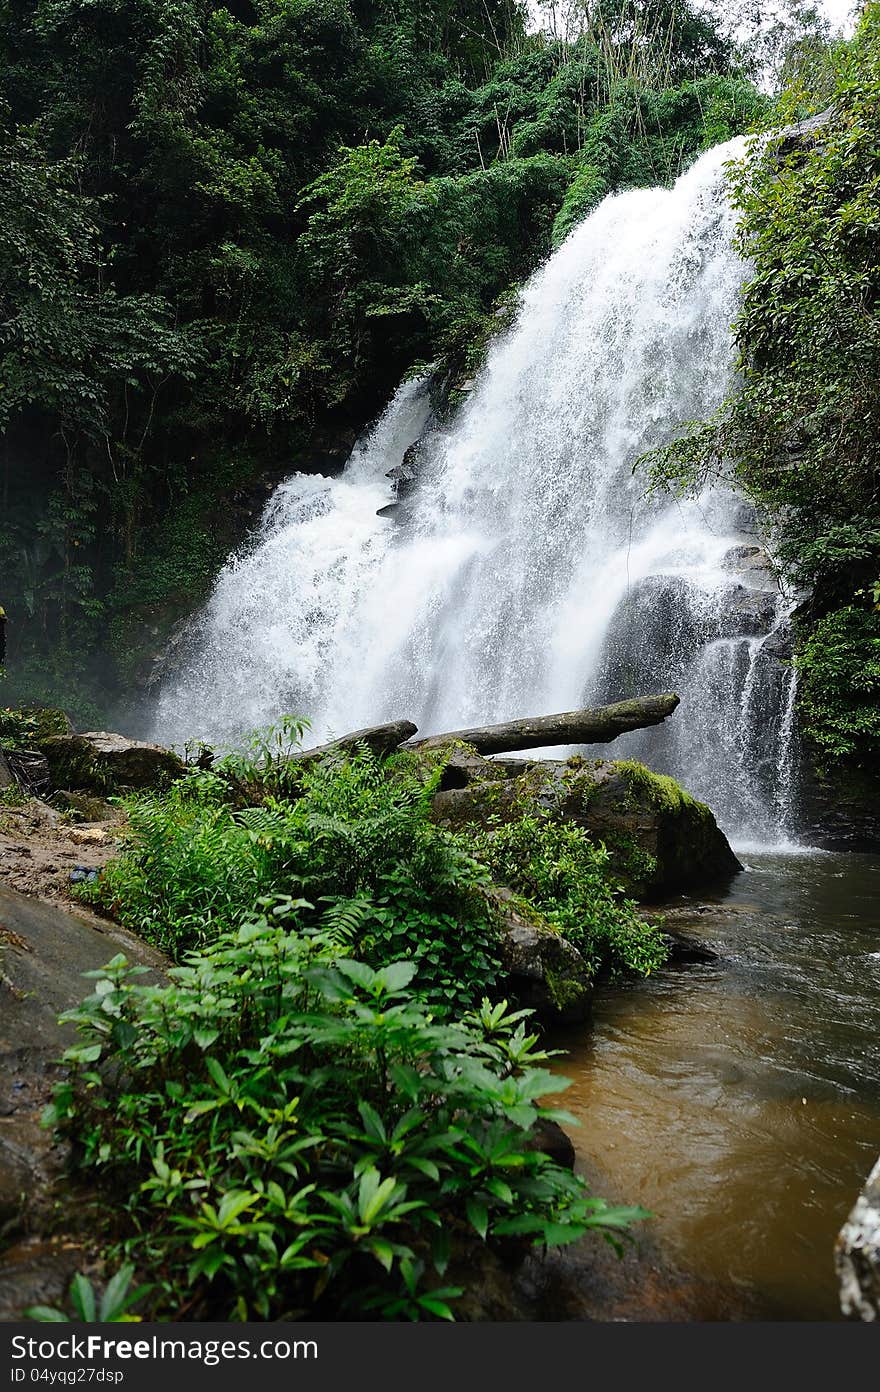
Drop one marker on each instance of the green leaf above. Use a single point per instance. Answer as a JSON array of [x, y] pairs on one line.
[[478, 1217], [233, 1204], [83, 1298], [113, 1300], [396, 976]]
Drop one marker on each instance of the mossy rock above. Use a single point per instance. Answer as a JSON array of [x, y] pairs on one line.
[[84, 807], [662, 841], [545, 972], [104, 763]]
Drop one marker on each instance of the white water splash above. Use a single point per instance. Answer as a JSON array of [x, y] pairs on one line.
[[528, 573]]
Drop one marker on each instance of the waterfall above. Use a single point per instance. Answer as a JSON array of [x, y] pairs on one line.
[[525, 571]]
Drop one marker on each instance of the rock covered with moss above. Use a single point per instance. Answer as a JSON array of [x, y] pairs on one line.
[[545, 972], [100, 762], [661, 840]]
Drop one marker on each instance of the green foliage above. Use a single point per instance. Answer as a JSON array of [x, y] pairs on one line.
[[113, 1307], [17, 728], [648, 137], [227, 235], [356, 844], [802, 434], [65, 345], [283, 1130], [562, 871], [839, 667]]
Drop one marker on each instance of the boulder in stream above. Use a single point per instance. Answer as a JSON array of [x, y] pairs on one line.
[[662, 840], [546, 973]]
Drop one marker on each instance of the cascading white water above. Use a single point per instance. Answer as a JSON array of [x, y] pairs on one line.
[[527, 572]]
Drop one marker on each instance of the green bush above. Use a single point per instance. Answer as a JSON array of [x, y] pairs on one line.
[[839, 667], [568, 877], [281, 1130], [340, 832]]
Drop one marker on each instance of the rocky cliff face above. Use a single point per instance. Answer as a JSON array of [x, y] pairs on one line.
[[840, 808]]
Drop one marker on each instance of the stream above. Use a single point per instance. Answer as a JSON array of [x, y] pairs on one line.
[[739, 1100]]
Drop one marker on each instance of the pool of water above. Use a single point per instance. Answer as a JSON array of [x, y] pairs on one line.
[[739, 1099]]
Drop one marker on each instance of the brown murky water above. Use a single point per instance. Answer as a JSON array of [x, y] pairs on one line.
[[740, 1100]]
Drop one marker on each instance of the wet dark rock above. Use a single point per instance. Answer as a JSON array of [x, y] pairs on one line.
[[746, 613], [750, 561], [803, 135], [549, 1138], [328, 452], [175, 646], [404, 475], [38, 1271], [742, 557], [661, 840], [744, 518], [661, 615], [686, 951], [545, 972], [45, 952], [839, 806], [779, 645], [102, 762]]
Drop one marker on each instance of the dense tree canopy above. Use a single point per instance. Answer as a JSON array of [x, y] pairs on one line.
[[229, 230]]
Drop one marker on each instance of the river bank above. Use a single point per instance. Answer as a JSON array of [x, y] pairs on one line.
[[733, 1093]]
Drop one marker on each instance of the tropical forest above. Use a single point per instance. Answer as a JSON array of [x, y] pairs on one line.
[[439, 661]]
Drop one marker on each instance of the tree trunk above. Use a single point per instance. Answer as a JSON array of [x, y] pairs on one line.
[[380, 739], [596, 726]]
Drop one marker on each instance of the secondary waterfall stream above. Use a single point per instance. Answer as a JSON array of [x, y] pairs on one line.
[[526, 571]]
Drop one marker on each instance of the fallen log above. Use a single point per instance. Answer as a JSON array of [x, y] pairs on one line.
[[598, 725], [379, 739]]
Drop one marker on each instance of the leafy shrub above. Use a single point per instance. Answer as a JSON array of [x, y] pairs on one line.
[[283, 1130], [17, 728], [839, 666], [357, 844], [567, 876]]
